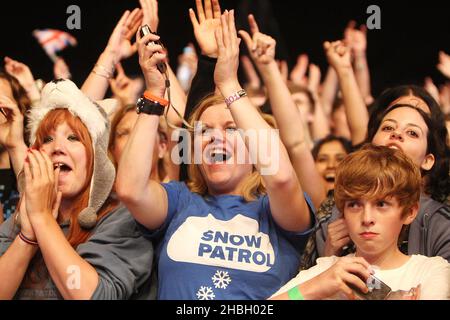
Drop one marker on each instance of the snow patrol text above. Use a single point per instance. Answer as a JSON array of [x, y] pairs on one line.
[[225, 246]]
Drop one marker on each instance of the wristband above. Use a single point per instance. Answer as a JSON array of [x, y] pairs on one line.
[[235, 97], [27, 240], [149, 104], [295, 294], [147, 95]]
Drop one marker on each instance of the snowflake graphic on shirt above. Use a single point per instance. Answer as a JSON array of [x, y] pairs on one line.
[[205, 293], [221, 279]]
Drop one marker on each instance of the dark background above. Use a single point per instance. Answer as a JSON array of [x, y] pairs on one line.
[[405, 50]]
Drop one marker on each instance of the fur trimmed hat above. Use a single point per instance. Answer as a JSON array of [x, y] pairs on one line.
[[64, 94]]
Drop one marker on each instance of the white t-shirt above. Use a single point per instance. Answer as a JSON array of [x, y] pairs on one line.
[[433, 274]]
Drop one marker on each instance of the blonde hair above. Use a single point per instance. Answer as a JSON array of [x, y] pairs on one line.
[[378, 172], [251, 187]]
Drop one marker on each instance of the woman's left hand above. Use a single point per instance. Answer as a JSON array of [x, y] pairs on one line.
[[225, 73], [42, 197]]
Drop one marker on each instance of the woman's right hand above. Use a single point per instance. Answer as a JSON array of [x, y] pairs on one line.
[[337, 238], [150, 55], [338, 55], [11, 131]]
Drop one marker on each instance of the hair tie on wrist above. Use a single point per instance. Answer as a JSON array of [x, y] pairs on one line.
[[27, 240]]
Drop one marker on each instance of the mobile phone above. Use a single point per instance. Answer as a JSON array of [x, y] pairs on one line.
[[378, 290], [145, 30]]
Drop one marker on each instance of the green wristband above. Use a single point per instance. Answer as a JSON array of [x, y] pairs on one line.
[[295, 294]]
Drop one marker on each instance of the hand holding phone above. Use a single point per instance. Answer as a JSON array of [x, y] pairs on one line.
[[378, 290], [145, 30]]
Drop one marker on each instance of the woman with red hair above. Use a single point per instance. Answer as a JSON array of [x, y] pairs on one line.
[[69, 239]]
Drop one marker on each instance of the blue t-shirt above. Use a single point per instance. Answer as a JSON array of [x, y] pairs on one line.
[[222, 247]]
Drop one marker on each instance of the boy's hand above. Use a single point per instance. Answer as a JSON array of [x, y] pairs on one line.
[[338, 237]]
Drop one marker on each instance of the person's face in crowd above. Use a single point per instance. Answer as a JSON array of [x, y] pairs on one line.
[[122, 134], [223, 151], [65, 148], [404, 128], [304, 106], [374, 225], [328, 158], [339, 123]]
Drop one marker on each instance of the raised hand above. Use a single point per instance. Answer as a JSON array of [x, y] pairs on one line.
[[314, 79], [23, 74], [337, 238], [356, 39], [120, 40], [444, 64], [206, 25], [298, 74], [11, 131], [41, 194], [150, 55], [338, 55], [225, 72], [260, 46], [150, 14], [61, 69]]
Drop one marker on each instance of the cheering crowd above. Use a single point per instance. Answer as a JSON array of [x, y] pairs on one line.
[[189, 185]]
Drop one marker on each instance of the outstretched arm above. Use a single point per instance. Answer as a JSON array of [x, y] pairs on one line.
[[320, 124], [23, 74], [274, 166], [356, 40], [262, 50], [338, 56], [146, 199], [119, 47]]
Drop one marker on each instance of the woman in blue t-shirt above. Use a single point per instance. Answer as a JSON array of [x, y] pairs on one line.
[[237, 228]]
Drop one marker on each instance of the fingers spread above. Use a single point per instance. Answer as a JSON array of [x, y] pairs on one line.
[[194, 20], [216, 9], [208, 9], [200, 11]]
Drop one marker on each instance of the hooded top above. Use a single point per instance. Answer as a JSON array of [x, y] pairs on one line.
[[64, 94]]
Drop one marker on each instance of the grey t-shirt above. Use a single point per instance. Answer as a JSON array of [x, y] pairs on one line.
[[121, 256]]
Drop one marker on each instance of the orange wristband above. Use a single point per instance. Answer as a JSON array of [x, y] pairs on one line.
[[149, 96]]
